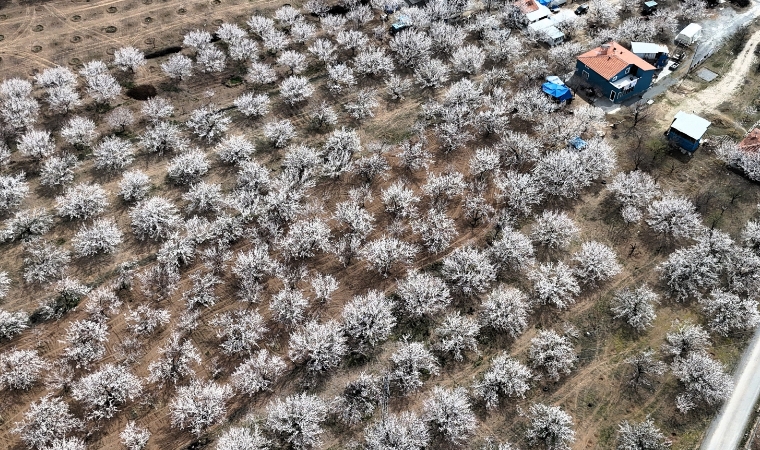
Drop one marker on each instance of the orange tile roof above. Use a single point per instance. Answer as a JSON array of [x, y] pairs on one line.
[[526, 6], [609, 61], [751, 143]]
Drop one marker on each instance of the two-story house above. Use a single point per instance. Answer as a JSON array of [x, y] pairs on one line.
[[616, 71]]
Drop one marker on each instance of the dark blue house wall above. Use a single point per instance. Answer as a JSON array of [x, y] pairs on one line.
[[683, 141], [594, 79]]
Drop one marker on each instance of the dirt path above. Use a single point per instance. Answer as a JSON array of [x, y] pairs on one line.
[[709, 99]]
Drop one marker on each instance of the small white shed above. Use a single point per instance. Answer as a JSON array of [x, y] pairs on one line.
[[551, 34], [540, 13], [689, 35]]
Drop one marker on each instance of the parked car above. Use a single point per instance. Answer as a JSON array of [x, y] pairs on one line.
[[581, 10]]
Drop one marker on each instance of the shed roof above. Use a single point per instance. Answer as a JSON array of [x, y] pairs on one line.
[[640, 48], [690, 124], [691, 30], [751, 143], [609, 59]]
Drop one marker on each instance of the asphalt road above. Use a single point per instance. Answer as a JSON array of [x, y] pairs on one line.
[[727, 429]]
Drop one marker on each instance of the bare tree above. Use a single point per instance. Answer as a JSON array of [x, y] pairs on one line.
[[644, 369]]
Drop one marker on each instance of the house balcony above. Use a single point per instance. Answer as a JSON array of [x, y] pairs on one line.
[[625, 84]]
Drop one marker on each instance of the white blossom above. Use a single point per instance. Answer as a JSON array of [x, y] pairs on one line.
[[506, 310], [320, 346], [636, 307], [368, 319], [468, 270], [550, 426], [128, 58], [258, 373], [595, 262], [134, 437], [102, 392], [45, 422], [552, 353], [409, 360], [21, 369], [199, 405], [554, 284], [297, 421], [505, 378], [450, 414]]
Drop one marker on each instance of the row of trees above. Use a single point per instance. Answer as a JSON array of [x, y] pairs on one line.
[[265, 233]]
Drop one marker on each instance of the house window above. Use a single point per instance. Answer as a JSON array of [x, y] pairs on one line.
[[585, 75], [612, 95], [627, 70]]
